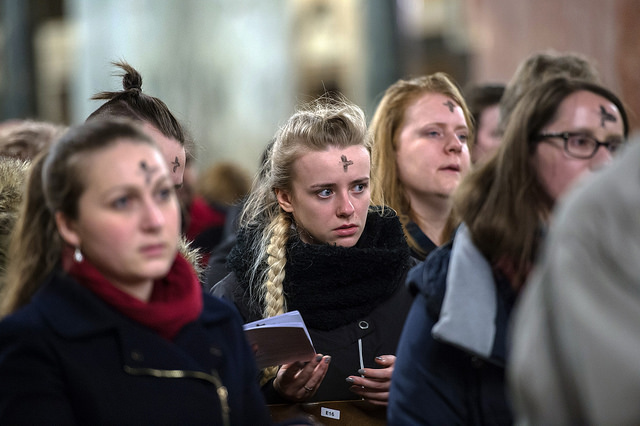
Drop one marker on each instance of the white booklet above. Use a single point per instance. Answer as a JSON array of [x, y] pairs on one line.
[[280, 340]]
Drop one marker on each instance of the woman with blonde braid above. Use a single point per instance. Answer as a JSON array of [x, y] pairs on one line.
[[311, 240]]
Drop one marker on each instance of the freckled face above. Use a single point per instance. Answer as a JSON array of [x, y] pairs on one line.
[[432, 153], [330, 195], [172, 151], [579, 112], [128, 220]]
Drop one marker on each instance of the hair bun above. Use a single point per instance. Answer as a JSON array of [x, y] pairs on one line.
[[132, 81]]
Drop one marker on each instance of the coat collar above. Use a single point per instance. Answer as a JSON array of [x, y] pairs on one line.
[[470, 308], [74, 311]]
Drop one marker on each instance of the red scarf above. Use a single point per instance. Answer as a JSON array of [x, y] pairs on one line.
[[175, 301]]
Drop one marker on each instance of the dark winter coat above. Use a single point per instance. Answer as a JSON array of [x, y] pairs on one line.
[[68, 358], [352, 299], [451, 356]]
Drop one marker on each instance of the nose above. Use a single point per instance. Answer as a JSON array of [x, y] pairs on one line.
[[345, 206], [602, 157], [454, 144], [153, 216]]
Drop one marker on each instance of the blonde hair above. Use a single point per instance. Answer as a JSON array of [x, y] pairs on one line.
[[385, 128]]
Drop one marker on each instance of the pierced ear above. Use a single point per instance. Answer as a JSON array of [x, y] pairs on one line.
[[66, 230], [284, 199]]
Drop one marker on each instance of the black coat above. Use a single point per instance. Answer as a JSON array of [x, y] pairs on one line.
[[68, 358], [347, 296]]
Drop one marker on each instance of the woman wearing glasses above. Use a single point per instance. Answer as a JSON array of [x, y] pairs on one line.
[[451, 358]]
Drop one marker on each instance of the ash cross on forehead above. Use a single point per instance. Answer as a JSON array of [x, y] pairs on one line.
[[345, 163], [147, 171], [449, 105], [606, 116], [175, 163]]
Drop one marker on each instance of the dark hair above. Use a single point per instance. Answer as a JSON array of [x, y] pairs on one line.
[[55, 184], [133, 104], [481, 96]]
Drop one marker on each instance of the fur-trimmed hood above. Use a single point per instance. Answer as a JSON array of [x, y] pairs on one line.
[[13, 174]]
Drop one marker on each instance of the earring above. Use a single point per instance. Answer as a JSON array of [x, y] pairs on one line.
[[77, 255]]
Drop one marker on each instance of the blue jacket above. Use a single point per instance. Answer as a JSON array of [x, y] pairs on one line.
[[68, 358], [451, 357]]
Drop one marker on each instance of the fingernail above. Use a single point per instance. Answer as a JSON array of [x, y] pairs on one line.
[[318, 358], [379, 358], [349, 380], [361, 372], [327, 359]]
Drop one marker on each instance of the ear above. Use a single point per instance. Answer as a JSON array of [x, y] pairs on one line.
[[284, 199], [66, 229]]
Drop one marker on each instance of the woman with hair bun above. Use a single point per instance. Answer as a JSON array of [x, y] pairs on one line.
[[157, 120]]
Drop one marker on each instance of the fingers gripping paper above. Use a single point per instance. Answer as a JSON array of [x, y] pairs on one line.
[[280, 340]]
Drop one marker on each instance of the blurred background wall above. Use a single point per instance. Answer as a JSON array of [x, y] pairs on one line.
[[233, 70]]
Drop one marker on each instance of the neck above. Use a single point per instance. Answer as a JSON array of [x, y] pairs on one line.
[[431, 215], [141, 291]]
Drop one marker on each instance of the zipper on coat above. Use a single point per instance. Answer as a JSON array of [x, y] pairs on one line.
[[213, 378]]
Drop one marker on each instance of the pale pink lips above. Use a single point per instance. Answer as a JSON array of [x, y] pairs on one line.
[[153, 250], [451, 167], [346, 230]]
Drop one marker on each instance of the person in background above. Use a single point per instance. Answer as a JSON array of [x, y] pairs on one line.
[[24, 139], [538, 68], [159, 122], [453, 350], [217, 266], [104, 322], [152, 113], [484, 104], [575, 339], [421, 131], [20, 142], [311, 239], [217, 190]]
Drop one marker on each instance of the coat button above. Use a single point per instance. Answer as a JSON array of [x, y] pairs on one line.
[[363, 325], [137, 356]]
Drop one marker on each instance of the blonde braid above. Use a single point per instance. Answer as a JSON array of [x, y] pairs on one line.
[[274, 301]]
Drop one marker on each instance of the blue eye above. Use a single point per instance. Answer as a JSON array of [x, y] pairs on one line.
[[165, 193], [121, 202], [325, 193], [360, 187], [463, 138]]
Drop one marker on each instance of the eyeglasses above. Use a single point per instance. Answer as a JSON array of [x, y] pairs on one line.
[[580, 145]]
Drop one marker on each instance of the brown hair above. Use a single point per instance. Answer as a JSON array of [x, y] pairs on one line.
[[538, 68], [224, 183], [502, 202], [133, 104], [25, 139]]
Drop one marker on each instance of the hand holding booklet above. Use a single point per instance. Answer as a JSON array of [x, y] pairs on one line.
[[280, 340]]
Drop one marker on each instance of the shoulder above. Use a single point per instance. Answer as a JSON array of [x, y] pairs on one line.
[[428, 278]]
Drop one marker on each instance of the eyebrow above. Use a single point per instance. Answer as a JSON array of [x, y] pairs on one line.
[[331, 185]]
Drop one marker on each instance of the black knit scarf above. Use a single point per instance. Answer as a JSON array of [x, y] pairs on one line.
[[331, 285]]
